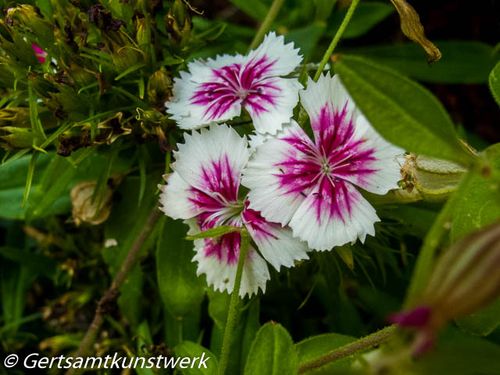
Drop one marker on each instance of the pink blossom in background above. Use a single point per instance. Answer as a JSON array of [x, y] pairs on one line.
[[40, 54], [311, 185], [217, 89]]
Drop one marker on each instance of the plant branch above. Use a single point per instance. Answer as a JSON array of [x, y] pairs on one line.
[[362, 344], [233, 313], [266, 24], [112, 293], [336, 38]]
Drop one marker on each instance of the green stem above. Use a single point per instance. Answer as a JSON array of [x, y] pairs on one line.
[[426, 258], [233, 312], [266, 24], [336, 38], [362, 344]]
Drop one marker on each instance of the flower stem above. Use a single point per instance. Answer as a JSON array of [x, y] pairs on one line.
[[233, 312], [266, 24], [336, 38], [362, 344]]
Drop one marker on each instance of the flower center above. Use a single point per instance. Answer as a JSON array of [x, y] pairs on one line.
[[325, 166]]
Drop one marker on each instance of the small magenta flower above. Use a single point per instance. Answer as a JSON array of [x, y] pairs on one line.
[[204, 190], [311, 185], [40, 54], [216, 90]]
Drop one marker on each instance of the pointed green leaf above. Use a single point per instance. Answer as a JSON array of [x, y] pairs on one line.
[[206, 364], [401, 110], [181, 290], [272, 352]]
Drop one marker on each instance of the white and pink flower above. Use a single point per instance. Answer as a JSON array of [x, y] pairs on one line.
[[217, 90], [310, 185], [40, 53], [204, 189]]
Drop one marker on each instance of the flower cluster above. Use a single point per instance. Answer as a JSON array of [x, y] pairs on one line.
[[300, 194]]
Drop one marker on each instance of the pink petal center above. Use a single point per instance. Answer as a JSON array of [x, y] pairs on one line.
[[248, 84]]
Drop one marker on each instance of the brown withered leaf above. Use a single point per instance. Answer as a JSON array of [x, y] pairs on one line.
[[413, 29]]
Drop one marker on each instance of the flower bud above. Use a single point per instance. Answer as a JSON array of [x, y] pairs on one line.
[[464, 280], [27, 19], [431, 179], [143, 35], [12, 138], [89, 208], [159, 88], [179, 22]]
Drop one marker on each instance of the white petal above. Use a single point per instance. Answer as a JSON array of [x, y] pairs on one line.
[[266, 194], [387, 164], [275, 243], [327, 230], [181, 107], [285, 57], [269, 118], [209, 146], [221, 275], [174, 198]]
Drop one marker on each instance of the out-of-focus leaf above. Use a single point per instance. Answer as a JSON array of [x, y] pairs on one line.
[[479, 203], [205, 358], [256, 9], [401, 110], [367, 16], [306, 38], [478, 206], [36, 263], [482, 322], [128, 215], [494, 82], [459, 354], [272, 352], [181, 290], [462, 61], [317, 346]]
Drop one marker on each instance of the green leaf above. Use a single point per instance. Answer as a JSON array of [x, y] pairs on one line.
[[482, 322], [401, 110], [272, 352], [317, 346], [367, 16], [306, 38], [494, 82], [256, 9], [479, 203], [180, 289], [205, 358], [459, 354], [461, 62]]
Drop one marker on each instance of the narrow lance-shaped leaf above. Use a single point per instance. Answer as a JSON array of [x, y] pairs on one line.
[[401, 110]]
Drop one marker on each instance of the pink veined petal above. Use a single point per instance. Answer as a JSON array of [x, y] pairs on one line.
[[220, 269], [285, 59], [271, 104], [212, 160], [356, 153], [275, 243], [265, 174], [174, 198], [333, 214]]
